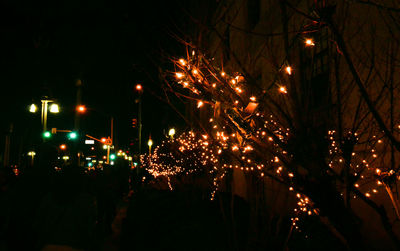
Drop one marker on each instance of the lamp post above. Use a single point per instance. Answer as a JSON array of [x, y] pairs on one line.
[[54, 108], [150, 143], [32, 154], [171, 133], [139, 89]]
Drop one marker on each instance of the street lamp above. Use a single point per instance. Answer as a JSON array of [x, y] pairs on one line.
[[32, 154], [171, 133], [150, 143], [139, 89], [54, 108]]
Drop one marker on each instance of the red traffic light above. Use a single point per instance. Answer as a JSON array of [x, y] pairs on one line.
[[139, 87], [81, 108]]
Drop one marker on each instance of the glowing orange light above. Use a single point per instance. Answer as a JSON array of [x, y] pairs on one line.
[[288, 69], [139, 87], [103, 140], [223, 74], [200, 104], [182, 61], [309, 42], [63, 147], [238, 90], [253, 98], [81, 108], [179, 75], [282, 89], [195, 71]]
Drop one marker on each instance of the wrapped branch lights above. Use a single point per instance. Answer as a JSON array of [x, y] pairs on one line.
[[255, 141]]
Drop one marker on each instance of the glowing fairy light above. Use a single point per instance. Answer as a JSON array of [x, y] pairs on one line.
[[238, 90], [182, 61], [233, 128], [309, 42], [282, 89], [288, 70]]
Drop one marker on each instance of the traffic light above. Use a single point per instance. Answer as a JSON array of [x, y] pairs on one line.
[[134, 123], [63, 146], [46, 134], [81, 108], [112, 156], [72, 135]]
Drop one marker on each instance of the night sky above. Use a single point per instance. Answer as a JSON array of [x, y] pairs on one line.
[[47, 45]]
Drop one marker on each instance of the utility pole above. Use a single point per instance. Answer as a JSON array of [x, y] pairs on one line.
[[139, 88], [78, 153], [78, 85]]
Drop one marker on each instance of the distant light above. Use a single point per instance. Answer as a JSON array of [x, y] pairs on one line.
[[33, 108], [72, 135], [90, 164], [89, 142], [47, 134], [81, 108], [139, 87], [112, 156], [31, 153], [283, 89], [288, 69], [309, 42], [179, 75], [63, 146], [200, 104], [150, 142], [105, 146], [54, 108], [65, 157], [171, 132]]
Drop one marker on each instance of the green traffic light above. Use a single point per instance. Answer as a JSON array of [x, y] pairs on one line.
[[72, 135], [112, 156], [47, 134]]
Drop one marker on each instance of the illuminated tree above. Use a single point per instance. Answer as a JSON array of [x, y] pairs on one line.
[[311, 103]]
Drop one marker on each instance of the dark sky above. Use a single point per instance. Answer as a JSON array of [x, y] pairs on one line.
[[110, 45]]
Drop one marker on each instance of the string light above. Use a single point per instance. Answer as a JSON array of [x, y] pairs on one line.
[[236, 130], [309, 42]]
